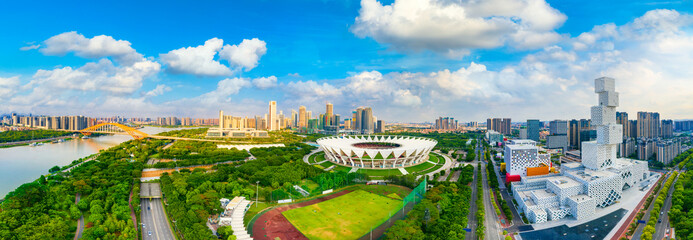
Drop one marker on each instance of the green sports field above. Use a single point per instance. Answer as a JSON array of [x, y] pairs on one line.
[[347, 217]]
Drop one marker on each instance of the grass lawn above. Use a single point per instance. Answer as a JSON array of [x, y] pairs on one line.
[[326, 164], [319, 157], [341, 168], [380, 172], [347, 217], [433, 158], [419, 168], [253, 210]]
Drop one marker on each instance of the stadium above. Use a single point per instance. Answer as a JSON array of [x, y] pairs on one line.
[[376, 151]]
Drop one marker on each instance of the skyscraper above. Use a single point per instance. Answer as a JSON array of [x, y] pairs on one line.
[[533, 129], [367, 121], [328, 114], [272, 116], [574, 134], [359, 119], [302, 117]]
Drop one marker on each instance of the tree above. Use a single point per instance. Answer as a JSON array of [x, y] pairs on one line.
[[54, 169]]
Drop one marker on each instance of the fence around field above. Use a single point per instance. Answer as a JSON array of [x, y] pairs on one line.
[[408, 203]]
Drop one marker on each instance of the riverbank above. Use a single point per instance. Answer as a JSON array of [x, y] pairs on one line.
[[27, 142]]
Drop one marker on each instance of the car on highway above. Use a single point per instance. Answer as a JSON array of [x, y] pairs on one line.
[[150, 233], [148, 208]]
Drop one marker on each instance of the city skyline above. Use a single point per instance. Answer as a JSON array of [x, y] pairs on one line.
[[116, 69], [538, 67]]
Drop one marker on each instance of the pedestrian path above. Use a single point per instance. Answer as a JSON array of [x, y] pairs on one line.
[[237, 222], [354, 169], [404, 171]]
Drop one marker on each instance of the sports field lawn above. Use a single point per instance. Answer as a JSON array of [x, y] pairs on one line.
[[347, 217]]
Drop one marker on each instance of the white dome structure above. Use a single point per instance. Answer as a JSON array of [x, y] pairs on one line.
[[376, 151]]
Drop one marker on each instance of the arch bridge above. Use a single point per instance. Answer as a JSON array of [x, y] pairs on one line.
[[114, 128]]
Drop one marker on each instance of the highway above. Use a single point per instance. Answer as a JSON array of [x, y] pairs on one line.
[[154, 220], [153, 216]]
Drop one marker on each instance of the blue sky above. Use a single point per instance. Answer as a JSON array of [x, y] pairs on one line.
[[523, 59]]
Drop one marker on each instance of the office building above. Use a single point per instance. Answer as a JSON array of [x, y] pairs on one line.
[[533, 129], [558, 135]]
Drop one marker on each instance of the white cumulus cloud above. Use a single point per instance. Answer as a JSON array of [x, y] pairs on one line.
[[453, 28], [246, 55], [265, 82], [158, 90], [96, 47], [197, 60]]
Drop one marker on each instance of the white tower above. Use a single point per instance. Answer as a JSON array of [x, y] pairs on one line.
[[600, 154]]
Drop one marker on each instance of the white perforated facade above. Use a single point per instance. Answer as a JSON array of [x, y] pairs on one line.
[[376, 151], [520, 155], [598, 181]]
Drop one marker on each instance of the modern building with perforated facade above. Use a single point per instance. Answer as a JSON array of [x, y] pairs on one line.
[[599, 181], [376, 151]]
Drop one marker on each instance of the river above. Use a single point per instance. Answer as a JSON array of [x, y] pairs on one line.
[[22, 164]]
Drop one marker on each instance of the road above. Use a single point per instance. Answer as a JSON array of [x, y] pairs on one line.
[[80, 222], [471, 222], [641, 226], [154, 220], [661, 228], [491, 220]]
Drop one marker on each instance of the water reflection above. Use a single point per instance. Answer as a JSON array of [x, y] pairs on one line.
[[22, 164]]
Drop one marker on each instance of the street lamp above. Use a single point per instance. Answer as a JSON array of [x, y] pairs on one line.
[[256, 192]]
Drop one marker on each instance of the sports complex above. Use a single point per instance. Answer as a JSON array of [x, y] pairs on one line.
[[353, 212], [376, 151]]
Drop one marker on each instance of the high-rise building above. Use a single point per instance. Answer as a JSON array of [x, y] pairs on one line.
[[533, 129], [367, 121], [381, 127], [622, 118], [667, 128], [272, 123], [558, 135], [294, 118], [648, 125], [328, 114], [574, 134], [633, 128], [302, 117], [501, 125], [683, 125]]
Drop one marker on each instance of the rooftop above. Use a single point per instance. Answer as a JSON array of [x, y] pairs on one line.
[[563, 181]]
